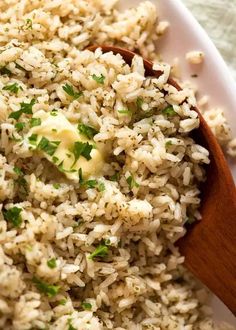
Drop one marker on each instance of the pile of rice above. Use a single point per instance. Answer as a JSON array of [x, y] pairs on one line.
[[150, 177]]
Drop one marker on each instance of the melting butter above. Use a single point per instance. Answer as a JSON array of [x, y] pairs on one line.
[[56, 127]]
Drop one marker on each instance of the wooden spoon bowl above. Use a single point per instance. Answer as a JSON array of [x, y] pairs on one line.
[[210, 244]]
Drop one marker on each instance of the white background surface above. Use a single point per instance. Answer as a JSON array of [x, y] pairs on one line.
[[218, 17], [214, 77]]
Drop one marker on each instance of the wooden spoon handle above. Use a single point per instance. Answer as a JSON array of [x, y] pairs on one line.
[[210, 246]]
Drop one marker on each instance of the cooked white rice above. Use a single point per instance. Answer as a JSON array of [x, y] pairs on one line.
[[149, 180]]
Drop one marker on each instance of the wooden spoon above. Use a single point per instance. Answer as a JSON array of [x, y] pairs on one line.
[[210, 245]]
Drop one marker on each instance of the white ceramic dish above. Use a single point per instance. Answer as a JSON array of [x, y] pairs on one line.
[[214, 78]]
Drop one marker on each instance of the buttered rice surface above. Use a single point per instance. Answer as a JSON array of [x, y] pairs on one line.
[[98, 174]]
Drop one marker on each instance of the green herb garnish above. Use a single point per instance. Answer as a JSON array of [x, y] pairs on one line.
[[17, 170], [131, 182], [61, 168], [81, 149], [52, 263], [54, 112], [13, 215], [28, 24], [125, 112], [91, 184], [35, 122], [139, 103], [115, 177], [80, 173], [13, 88], [169, 111], [62, 302], [71, 92], [5, 71], [70, 326], [19, 126], [87, 131], [33, 139], [48, 289], [55, 159], [56, 185], [99, 79], [24, 108], [101, 251], [49, 147], [101, 187], [168, 143], [86, 306]]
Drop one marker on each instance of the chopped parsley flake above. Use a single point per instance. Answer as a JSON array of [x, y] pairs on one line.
[[81, 149], [139, 103], [125, 112], [71, 92], [86, 306], [56, 185], [48, 289], [99, 79], [49, 147], [91, 184], [115, 177], [131, 182], [17, 170], [55, 159], [35, 122], [87, 131], [168, 143], [101, 187], [19, 126], [24, 108], [28, 24], [101, 251], [54, 112], [61, 168], [13, 215], [33, 139], [70, 326], [80, 173], [13, 88], [169, 111], [5, 71], [62, 302], [52, 263]]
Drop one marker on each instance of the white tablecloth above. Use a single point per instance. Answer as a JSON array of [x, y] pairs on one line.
[[218, 17]]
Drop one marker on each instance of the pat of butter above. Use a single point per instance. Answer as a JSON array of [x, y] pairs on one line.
[[56, 127]]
